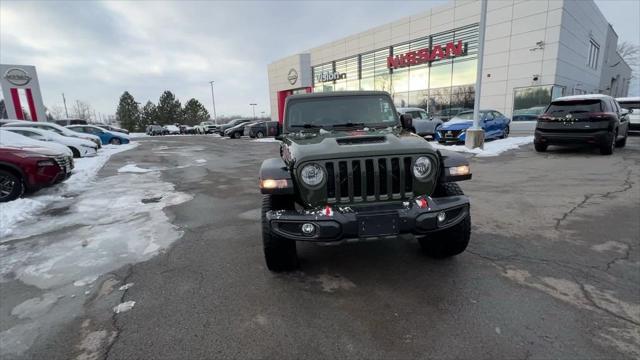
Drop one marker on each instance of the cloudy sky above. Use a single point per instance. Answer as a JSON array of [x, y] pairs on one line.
[[93, 51]]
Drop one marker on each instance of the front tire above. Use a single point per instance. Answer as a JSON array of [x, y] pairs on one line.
[[76, 152], [259, 135], [115, 141], [11, 186], [280, 254], [540, 147], [452, 241], [505, 134], [236, 135]]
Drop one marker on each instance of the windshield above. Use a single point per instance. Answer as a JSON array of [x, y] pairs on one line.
[[328, 112], [465, 115], [572, 107]]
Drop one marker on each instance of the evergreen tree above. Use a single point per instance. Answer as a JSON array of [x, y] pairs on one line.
[[128, 112], [169, 110], [148, 115], [194, 112]]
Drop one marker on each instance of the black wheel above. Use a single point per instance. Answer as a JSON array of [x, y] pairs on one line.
[[236, 135], [279, 253], [259, 135], [540, 147], [452, 241], [11, 186], [115, 141], [506, 133], [76, 153], [608, 146], [623, 142]]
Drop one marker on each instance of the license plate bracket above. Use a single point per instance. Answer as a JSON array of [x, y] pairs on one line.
[[378, 225]]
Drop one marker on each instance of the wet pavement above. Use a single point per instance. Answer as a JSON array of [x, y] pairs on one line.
[[553, 269]]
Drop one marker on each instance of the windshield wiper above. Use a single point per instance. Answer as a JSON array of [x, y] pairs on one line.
[[349, 124]]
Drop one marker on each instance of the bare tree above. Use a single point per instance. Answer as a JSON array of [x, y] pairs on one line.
[[631, 54], [57, 112], [82, 110]]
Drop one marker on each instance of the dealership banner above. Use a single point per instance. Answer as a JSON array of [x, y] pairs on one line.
[[21, 92]]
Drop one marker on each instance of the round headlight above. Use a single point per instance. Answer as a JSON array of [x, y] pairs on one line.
[[312, 174], [422, 167]]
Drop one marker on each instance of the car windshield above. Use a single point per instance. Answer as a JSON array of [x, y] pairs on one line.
[[329, 112], [561, 108], [465, 115]]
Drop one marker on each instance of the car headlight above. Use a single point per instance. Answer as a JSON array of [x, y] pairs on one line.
[[312, 174], [422, 167]]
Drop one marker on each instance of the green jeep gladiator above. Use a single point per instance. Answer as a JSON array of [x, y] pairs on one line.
[[350, 169]]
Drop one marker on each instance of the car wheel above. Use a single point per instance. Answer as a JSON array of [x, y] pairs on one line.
[[540, 147], [608, 146], [452, 241], [11, 186], [623, 142], [115, 141], [280, 254], [76, 153], [236, 135], [505, 133], [259, 135]]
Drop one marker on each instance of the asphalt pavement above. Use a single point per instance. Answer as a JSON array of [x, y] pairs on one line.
[[552, 271]]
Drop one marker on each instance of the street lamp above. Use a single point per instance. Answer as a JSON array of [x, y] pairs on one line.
[[254, 110], [213, 100]]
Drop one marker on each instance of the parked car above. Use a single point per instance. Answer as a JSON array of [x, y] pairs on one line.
[[423, 124], [61, 130], [106, 136], [186, 129], [206, 127], [583, 119], [66, 122], [237, 131], [30, 169], [336, 182], [633, 105], [231, 124], [113, 128], [262, 129], [530, 114], [79, 147], [153, 130], [494, 124], [8, 138], [171, 130], [447, 114]]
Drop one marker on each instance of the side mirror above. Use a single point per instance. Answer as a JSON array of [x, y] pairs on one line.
[[624, 111], [407, 121]]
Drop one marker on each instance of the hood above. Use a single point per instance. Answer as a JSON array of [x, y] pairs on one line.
[[457, 124], [38, 149], [323, 145]]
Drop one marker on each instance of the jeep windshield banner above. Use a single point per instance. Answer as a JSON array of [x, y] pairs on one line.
[[422, 56]]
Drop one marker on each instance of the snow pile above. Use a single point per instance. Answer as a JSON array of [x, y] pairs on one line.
[[201, 161], [137, 135], [14, 212], [491, 148], [266, 140], [124, 307], [133, 168]]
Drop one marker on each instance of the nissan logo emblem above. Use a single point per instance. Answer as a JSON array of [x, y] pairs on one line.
[[293, 76], [17, 77]]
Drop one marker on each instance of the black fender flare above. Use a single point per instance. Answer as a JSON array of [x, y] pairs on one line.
[[276, 169], [451, 159]]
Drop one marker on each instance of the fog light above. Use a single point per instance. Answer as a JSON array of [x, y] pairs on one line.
[[308, 229], [442, 216]]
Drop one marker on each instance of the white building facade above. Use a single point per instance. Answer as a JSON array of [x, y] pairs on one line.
[[535, 50]]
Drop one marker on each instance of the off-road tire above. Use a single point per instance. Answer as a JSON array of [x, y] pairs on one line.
[[452, 241], [280, 254], [540, 147], [608, 146], [76, 152], [12, 183], [623, 142]]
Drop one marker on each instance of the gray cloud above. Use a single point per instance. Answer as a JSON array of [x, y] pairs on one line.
[[93, 51]]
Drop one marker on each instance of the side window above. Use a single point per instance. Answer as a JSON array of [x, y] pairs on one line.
[[497, 114], [488, 115], [423, 114]]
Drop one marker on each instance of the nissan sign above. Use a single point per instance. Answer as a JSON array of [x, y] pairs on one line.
[[17, 77], [293, 76], [426, 55]]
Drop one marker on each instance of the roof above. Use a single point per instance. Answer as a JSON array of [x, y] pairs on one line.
[[583, 97], [629, 99], [337, 94]]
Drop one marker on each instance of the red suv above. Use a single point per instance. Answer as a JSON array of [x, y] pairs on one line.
[[27, 170]]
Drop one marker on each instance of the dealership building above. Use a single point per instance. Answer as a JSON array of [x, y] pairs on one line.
[[534, 51]]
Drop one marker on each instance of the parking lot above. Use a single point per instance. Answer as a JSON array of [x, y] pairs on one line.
[[552, 270]]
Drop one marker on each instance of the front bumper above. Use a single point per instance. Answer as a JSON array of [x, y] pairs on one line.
[[346, 223], [561, 138]]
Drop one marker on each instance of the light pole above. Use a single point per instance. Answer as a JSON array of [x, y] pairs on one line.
[[475, 135], [254, 110], [65, 106], [213, 100]]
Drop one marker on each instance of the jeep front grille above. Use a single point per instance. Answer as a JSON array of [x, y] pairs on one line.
[[369, 179]]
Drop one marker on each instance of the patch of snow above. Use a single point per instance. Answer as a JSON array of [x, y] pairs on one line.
[[124, 307], [14, 212], [267, 140], [85, 281], [133, 168], [125, 287], [201, 161], [491, 148], [35, 307], [138, 135]]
